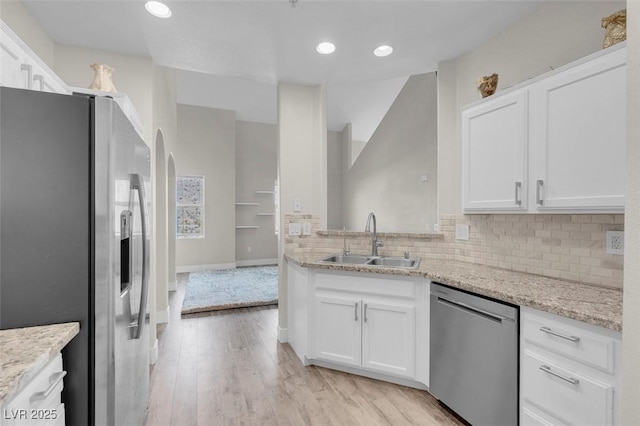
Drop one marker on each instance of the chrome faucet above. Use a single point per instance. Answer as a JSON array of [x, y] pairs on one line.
[[374, 234]]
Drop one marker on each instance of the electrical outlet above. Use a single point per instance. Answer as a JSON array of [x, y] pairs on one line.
[[297, 206], [249, 249], [436, 228], [615, 242], [462, 231], [306, 228]]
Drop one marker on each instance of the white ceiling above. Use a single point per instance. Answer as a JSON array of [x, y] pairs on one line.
[[231, 54]]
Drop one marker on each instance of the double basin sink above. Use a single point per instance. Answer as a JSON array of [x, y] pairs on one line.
[[356, 259]]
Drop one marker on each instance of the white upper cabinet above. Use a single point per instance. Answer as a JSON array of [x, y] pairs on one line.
[[556, 144], [578, 134], [494, 154], [21, 68]]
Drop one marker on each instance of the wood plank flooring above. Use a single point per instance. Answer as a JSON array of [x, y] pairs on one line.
[[227, 368]]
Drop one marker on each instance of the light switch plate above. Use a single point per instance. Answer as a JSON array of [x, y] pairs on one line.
[[306, 228], [462, 231], [294, 229]]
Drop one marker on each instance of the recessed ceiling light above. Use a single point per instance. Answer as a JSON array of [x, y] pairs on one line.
[[383, 50], [326, 48], [158, 9]]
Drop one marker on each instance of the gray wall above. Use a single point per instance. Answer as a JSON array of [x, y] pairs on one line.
[[256, 167], [385, 178], [207, 146], [554, 35]]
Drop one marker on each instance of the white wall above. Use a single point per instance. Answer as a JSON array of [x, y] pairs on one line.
[[256, 167], [206, 146], [302, 166], [334, 180], [385, 178], [554, 35], [14, 14], [132, 75], [631, 308]]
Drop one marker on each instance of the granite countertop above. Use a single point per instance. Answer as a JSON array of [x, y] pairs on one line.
[[25, 351], [595, 305]]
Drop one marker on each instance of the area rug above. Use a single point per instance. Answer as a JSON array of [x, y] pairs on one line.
[[231, 288]]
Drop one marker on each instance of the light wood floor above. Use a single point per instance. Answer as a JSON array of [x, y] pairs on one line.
[[227, 368]]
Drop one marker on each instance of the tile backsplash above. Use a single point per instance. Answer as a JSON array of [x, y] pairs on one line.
[[569, 247]]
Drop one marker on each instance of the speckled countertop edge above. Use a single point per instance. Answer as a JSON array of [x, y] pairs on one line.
[[600, 306], [25, 351]]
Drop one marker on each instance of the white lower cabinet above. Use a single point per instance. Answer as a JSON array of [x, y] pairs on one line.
[[364, 323], [360, 332], [569, 372], [39, 402]]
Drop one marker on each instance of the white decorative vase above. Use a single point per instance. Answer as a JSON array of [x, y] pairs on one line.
[[102, 78]]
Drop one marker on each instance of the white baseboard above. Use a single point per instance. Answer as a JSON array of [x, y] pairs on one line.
[[257, 262], [172, 286], [162, 317], [153, 353], [283, 335], [199, 268]]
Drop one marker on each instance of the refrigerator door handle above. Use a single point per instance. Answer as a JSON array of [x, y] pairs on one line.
[[138, 184]]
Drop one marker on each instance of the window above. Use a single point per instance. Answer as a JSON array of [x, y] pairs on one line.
[[189, 206]]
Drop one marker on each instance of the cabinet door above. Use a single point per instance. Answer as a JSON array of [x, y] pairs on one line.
[[45, 81], [338, 329], [494, 154], [578, 135], [388, 340], [14, 72]]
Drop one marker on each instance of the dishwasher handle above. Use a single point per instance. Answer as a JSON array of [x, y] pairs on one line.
[[472, 309]]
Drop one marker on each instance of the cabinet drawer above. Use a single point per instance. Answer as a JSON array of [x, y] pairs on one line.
[[568, 395], [531, 417], [33, 400], [579, 343]]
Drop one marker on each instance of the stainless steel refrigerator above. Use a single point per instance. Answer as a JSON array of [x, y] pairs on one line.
[[74, 244]]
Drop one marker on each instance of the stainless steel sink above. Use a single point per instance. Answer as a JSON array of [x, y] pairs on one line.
[[346, 258], [354, 259], [395, 262]]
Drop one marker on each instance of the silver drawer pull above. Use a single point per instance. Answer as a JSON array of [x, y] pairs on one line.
[[539, 185], [517, 196], [571, 380], [53, 382], [574, 339]]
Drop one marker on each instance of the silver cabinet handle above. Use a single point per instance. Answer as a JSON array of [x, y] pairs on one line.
[[365, 312], [39, 78], [53, 382], [563, 336], [137, 183], [517, 197], [29, 70], [539, 185], [356, 311], [548, 370]]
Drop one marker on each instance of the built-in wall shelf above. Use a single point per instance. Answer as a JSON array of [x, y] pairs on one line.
[[265, 214], [247, 204], [265, 192], [247, 227]]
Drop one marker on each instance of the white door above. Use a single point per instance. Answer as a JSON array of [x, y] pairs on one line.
[[388, 338], [578, 135], [338, 329], [494, 154]]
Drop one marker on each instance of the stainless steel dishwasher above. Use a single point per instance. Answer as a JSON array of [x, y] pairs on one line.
[[473, 367]]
